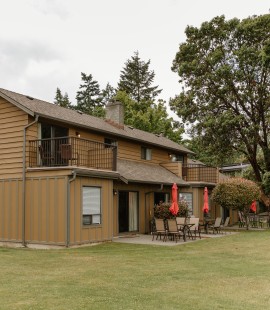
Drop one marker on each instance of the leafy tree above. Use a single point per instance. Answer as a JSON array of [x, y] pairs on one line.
[[237, 194], [136, 80], [89, 99], [153, 119], [224, 68], [61, 100]]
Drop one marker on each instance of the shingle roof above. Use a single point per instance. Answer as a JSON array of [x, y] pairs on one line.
[[45, 109], [147, 173]]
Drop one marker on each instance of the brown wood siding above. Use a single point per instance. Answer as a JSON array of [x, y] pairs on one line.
[[12, 122], [79, 233], [146, 203], [45, 216], [11, 210]]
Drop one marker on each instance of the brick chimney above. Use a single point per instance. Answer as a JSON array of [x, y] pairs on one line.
[[115, 114]]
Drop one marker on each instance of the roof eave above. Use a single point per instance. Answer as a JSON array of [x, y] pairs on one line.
[[17, 104]]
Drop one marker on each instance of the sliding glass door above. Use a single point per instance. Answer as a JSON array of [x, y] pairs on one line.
[[128, 211]]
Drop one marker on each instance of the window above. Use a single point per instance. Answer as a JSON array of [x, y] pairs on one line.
[[146, 153], [91, 205], [189, 199], [109, 142], [176, 157]]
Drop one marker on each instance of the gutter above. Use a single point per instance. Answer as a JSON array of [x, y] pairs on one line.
[[68, 208], [24, 179]]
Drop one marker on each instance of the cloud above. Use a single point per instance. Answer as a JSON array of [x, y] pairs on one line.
[[52, 7]]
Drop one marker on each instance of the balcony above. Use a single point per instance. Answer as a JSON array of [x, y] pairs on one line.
[[72, 151], [199, 173]]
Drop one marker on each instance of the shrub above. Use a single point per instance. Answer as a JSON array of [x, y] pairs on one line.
[[236, 193], [161, 211]]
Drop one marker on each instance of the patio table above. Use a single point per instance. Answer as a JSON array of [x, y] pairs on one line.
[[185, 228], [206, 223]]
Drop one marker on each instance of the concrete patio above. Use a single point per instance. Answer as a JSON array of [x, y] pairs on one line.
[[147, 239]]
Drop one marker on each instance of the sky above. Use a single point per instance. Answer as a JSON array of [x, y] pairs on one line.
[[45, 44]]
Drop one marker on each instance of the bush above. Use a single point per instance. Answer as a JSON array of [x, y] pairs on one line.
[[161, 211]]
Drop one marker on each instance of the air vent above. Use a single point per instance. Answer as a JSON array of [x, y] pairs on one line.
[[30, 98], [80, 112], [131, 127]]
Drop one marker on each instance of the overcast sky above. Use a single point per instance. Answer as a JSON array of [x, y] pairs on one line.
[[45, 44]]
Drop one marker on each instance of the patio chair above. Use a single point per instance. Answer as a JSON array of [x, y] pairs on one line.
[[47, 159], [241, 220], [226, 223], [195, 228], [174, 231], [216, 225], [67, 155], [160, 230]]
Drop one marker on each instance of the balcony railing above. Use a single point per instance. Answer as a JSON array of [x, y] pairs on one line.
[[72, 151], [199, 173]]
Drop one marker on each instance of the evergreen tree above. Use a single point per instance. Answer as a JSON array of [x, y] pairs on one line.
[[62, 101], [89, 98], [136, 80], [108, 93], [153, 119]]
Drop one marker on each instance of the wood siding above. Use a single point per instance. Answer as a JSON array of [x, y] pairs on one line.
[[12, 122], [11, 210], [80, 233]]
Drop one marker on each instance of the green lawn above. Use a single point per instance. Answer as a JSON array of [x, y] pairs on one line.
[[219, 273]]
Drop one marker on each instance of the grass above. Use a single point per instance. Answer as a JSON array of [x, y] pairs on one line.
[[218, 273]]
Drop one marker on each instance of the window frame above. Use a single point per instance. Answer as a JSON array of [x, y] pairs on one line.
[[88, 216], [182, 195], [146, 153]]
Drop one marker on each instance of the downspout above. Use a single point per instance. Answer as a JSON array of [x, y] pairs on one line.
[[68, 209], [24, 179]]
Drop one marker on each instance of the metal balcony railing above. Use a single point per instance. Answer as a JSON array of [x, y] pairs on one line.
[[199, 173], [72, 151]]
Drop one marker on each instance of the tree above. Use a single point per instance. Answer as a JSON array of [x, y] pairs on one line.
[[62, 101], [108, 93], [237, 194], [136, 80], [152, 119], [89, 99], [224, 68]]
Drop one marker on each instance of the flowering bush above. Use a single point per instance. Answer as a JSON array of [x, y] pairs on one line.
[[161, 211]]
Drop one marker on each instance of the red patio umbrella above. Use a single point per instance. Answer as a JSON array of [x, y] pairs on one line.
[[174, 207], [253, 206], [205, 201]]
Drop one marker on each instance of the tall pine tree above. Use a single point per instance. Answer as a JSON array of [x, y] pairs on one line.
[[89, 98], [62, 101], [136, 80]]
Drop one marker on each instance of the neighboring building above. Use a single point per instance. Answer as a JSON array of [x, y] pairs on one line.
[[68, 178], [234, 170]]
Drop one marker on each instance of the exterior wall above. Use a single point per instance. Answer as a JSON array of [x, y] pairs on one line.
[[11, 210], [145, 202], [46, 210], [130, 150], [79, 233], [12, 122]]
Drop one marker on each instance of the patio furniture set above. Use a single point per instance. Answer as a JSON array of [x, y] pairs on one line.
[[181, 227], [254, 220]]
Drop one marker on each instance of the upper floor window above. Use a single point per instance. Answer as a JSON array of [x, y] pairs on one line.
[[146, 153], [177, 157], [109, 142]]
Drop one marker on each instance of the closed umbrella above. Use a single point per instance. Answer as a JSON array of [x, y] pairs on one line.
[[174, 207], [205, 201], [253, 206]]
